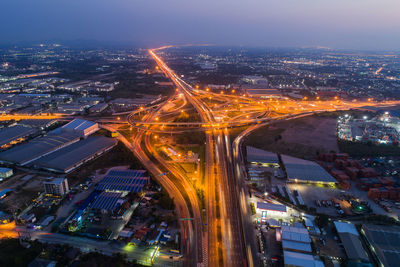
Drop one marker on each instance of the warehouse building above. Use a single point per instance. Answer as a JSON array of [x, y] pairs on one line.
[[37, 148], [106, 201], [71, 157], [38, 123], [296, 259], [270, 210], [264, 92], [262, 157], [294, 238], [304, 171], [81, 127], [99, 107], [123, 181], [56, 186], [384, 243], [349, 236], [14, 135]]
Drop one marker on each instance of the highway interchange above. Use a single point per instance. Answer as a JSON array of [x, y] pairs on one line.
[[216, 231], [222, 235]]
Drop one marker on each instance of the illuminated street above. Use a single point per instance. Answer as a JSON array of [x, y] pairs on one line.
[[224, 235]]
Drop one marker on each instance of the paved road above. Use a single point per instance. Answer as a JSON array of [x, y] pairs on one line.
[[224, 240]]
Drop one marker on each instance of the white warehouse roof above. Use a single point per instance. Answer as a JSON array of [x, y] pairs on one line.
[[79, 125], [271, 206], [306, 170]]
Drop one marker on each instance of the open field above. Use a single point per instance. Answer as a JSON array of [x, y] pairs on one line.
[[300, 138]]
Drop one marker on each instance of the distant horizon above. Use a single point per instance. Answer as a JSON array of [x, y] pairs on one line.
[[340, 24], [80, 43]]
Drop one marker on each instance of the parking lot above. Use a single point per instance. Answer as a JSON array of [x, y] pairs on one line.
[[325, 195]]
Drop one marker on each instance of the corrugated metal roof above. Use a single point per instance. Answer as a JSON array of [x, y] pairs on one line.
[[258, 155], [288, 244], [10, 134], [345, 227], [386, 242], [78, 124], [37, 147], [271, 206], [70, 156], [300, 259], [353, 247], [305, 170], [295, 234]]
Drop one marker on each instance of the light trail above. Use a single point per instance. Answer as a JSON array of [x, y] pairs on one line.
[[227, 238]]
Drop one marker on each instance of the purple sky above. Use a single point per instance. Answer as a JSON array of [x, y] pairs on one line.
[[359, 24]]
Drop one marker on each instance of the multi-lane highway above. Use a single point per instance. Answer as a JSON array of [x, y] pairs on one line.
[[174, 182], [223, 235], [228, 231]]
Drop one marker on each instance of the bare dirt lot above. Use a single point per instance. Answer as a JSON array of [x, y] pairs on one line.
[[313, 131], [300, 138]]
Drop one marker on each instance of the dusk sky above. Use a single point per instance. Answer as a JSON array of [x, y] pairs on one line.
[[363, 24]]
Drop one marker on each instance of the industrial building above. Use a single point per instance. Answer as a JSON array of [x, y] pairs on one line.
[[81, 127], [56, 186], [106, 201], [262, 157], [109, 193], [5, 173], [71, 157], [384, 243], [294, 238], [123, 181], [37, 148], [296, 259], [304, 171], [349, 236], [37, 123], [264, 92], [268, 210], [99, 107], [14, 135]]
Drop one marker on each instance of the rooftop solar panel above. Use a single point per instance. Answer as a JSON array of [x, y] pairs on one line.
[[106, 201], [129, 180]]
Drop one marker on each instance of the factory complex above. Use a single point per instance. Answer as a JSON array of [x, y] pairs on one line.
[[61, 150]]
